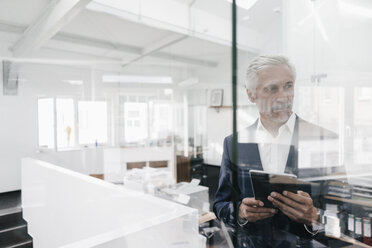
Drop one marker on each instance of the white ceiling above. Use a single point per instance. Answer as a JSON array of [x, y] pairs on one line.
[[20, 11], [110, 37], [113, 29], [261, 14]]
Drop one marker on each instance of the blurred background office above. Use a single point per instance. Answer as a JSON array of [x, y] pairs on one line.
[[139, 93]]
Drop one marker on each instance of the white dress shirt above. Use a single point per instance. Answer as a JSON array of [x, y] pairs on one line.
[[274, 153], [274, 150]]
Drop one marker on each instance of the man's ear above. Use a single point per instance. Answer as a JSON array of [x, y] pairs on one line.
[[251, 96]]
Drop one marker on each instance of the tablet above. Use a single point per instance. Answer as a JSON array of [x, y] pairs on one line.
[[263, 183]]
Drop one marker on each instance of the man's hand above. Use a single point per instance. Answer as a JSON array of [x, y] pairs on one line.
[[298, 207], [253, 210]]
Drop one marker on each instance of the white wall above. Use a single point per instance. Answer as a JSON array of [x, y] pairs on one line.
[[18, 132], [19, 127]]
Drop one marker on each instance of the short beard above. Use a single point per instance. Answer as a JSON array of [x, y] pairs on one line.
[[282, 118]]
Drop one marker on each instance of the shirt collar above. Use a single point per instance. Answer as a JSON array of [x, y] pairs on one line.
[[289, 125]]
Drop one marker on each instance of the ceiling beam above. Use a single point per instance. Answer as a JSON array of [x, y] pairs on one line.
[[78, 39], [48, 61], [56, 16], [156, 46], [187, 60], [103, 44]]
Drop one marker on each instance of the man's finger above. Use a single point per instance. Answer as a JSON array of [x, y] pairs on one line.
[[264, 215], [252, 202], [303, 193], [291, 216], [287, 201], [260, 210], [259, 216], [297, 197], [285, 208]]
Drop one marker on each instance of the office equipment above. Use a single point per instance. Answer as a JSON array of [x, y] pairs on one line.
[[191, 194], [367, 237], [332, 222]]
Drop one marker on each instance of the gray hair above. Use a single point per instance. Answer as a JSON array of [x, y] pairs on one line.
[[262, 62]]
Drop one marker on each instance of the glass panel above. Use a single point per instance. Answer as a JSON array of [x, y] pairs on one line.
[[323, 106], [362, 126], [160, 115], [46, 122], [92, 122], [66, 133], [136, 125]]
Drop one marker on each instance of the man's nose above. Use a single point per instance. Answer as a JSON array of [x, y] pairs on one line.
[[282, 95]]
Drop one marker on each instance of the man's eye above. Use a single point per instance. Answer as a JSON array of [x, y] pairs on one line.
[[288, 86], [271, 89]]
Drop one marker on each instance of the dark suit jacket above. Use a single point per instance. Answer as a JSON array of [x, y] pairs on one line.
[[249, 158]]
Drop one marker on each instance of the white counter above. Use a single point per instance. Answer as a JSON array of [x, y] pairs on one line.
[[67, 209]]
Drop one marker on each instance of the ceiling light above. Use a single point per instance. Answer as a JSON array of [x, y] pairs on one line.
[[136, 79], [73, 82], [245, 4]]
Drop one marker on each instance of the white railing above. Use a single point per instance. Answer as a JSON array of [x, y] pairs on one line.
[[67, 209]]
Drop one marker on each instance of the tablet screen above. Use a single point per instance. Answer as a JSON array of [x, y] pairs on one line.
[[264, 183]]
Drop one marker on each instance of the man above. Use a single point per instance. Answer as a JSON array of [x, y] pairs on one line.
[[270, 144]]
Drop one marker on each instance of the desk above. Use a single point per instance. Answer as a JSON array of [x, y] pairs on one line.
[[116, 159], [207, 217], [353, 201], [349, 240]]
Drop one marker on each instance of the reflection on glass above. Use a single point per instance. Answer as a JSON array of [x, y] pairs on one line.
[[92, 122], [65, 114], [362, 125], [136, 125], [322, 106], [46, 122]]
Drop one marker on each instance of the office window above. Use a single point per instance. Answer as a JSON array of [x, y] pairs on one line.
[[161, 119], [65, 123], [92, 122], [364, 93], [135, 122], [46, 122]]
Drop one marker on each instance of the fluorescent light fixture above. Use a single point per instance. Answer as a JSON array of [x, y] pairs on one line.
[[136, 79], [73, 82], [354, 9], [245, 4]]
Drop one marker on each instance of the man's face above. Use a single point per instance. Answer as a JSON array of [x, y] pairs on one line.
[[274, 93]]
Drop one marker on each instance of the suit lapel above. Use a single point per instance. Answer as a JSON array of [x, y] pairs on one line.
[[252, 157]]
